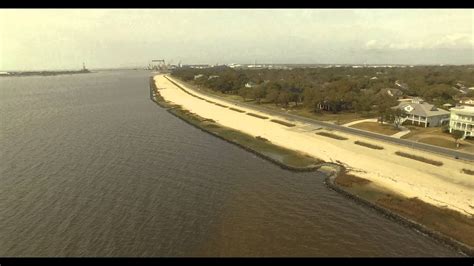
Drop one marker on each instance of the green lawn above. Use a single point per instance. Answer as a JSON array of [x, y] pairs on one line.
[[339, 118], [442, 142], [376, 127]]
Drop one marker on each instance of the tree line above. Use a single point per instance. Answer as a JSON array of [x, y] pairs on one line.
[[341, 89]]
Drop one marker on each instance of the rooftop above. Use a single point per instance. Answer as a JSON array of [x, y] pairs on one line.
[[463, 109], [421, 108]]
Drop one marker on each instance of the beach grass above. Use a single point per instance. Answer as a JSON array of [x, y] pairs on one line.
[[258, 116], [419, 158], [282, 123], [237, 110], [368, 145], [221, 105], [331, 135], [467, 171]]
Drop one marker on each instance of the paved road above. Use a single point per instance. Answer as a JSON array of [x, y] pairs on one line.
[[403, 142]]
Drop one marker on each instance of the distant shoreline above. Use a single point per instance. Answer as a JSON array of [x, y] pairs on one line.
[[42, 73]]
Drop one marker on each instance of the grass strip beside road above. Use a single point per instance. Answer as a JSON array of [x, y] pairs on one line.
[[419, 158]]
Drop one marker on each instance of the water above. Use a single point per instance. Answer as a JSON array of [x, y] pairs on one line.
[[90, 166]]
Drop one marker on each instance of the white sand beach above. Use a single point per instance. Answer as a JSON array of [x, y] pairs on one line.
[[442, 185]]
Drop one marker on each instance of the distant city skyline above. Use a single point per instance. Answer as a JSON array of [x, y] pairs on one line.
[[64, 39]]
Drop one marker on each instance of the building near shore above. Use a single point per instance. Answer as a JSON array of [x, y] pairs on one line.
[[198, 76], [396, 93], [250, 84], [462, 119], [198, 66], [466, 101], [420, 113], [447, 106]]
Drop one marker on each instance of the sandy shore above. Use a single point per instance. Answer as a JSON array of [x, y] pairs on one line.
[[444, 186]]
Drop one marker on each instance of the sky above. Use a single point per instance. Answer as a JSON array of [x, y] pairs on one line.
[[106, 38]]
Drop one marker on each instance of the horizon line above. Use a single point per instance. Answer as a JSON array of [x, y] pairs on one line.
[[244, 64]]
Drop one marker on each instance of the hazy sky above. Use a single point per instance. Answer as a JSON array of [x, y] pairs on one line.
[[61, 38]]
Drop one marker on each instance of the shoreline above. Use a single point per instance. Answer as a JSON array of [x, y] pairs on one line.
[[444, 185], [332, 171], [444, 239], [169, 108], [44, 73]]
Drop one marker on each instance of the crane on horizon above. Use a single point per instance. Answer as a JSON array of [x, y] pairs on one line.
[[160, 66]]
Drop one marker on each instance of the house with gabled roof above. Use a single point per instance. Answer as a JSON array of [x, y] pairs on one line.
[[418, 112]]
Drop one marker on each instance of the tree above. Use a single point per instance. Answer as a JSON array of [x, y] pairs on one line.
[[440, 92], [395, 116], [384, 105], [363, 102], [258, 93], [283, 98], [295, 97], [457, 134], [312, 98], [337, 89], [445, 129], [272, 96], [245, 93], [470, 93]]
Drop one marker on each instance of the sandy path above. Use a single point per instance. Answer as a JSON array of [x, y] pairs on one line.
[[442, 186], [360, 121]]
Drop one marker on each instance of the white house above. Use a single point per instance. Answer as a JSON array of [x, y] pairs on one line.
[[250, 84], [198, 76], [421, 113], [462, 118], [466, 101]]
